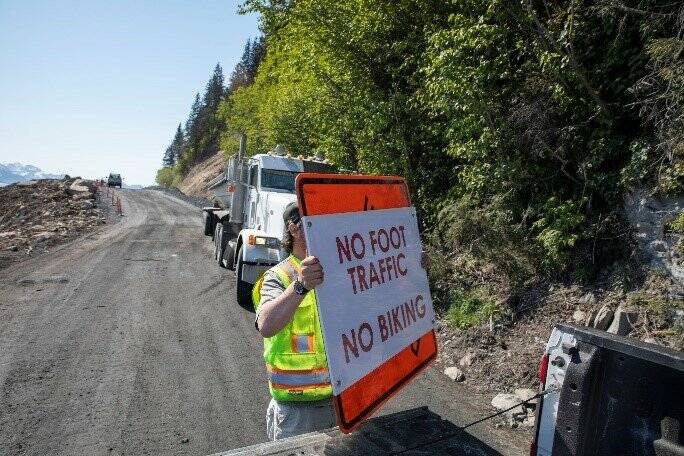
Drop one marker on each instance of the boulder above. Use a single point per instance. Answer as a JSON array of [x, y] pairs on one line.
[[603, 318], [622, 322], [529, 421], [659, 246], [503, 401], [578, 316], [524, 394], [78, 186], [588, 299], [591, 316], [467, 360], [454, 373], [82, 196], [42, 236]]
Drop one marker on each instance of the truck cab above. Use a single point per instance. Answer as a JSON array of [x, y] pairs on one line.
[[248, 230]]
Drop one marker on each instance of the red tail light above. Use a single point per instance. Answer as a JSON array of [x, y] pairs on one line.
[[543, 367]]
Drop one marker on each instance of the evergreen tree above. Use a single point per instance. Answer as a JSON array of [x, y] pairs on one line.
[[168, 159], [177, 144], [173, 152], [256, 55], [241, 74], [194, 113], [215, 90]]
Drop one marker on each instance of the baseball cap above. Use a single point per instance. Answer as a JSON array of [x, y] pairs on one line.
[[291, 213]]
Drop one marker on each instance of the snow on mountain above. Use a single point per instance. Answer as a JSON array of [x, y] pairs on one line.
[[17, 172]]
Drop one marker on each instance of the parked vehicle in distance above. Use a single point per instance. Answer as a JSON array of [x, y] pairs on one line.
[[246, 221], [114, 180]]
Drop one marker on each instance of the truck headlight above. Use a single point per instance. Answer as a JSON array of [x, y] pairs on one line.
[[270, 242]]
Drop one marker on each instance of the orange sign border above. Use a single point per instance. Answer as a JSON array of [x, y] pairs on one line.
[[348, 424]]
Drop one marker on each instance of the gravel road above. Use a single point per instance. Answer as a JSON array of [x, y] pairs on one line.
[[129, 341]]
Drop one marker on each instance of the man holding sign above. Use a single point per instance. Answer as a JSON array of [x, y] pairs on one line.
[[287, 318], [372, 268]]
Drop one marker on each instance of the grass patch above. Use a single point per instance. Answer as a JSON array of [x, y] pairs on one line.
[[676, 225], [470, 308]]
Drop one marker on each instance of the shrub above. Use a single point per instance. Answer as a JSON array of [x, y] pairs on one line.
[[166, 177], [471, 308]]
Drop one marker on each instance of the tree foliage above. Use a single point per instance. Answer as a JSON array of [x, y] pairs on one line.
[[519, 125], [173, 152], [535, 115]]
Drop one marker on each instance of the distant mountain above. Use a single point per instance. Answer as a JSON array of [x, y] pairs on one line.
[[17, 172]]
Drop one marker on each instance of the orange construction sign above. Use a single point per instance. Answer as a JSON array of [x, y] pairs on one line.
[[325, 194]]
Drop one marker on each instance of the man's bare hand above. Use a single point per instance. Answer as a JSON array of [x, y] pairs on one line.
[[311, 273]]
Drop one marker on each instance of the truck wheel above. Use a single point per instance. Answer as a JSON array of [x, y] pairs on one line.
[[243, 289], [207, 223], [221, 242], [218, 243], [217, 236], [229, 256]]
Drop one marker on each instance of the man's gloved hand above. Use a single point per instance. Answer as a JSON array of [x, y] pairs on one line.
[[311, 273]]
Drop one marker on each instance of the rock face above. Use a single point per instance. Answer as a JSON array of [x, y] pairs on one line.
[[648, 215], [454, 373]]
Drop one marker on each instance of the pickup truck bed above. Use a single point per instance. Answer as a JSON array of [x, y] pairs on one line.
[[412, 432], [613, 396]]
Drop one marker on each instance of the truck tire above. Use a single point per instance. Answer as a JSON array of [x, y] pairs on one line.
[[229, 256], [217, 236], [243, 290], [208, 228], [221, 241]]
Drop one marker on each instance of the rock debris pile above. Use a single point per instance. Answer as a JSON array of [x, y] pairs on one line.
[[37, 215]]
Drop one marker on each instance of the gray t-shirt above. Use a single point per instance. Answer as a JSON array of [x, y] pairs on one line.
[[271, 288]]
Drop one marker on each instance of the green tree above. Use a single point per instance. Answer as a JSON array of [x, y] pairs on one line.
[[175, 149]]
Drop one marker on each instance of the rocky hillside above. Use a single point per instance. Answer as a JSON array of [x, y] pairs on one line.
[[38, 215], [195, 182]]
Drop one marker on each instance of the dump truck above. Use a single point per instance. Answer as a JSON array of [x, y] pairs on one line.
[[246, 220]]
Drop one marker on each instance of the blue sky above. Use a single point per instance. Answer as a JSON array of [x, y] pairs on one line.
[[89, 87]]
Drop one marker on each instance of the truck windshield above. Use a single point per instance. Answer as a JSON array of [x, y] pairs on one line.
[[278, 179]]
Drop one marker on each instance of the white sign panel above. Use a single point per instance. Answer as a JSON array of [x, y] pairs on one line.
[[375, 299]]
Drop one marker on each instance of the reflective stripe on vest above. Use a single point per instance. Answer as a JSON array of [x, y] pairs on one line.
[[304, 378], [295, 358], [302, 343]]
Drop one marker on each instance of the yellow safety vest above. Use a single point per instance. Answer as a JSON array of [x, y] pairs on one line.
[[295, 357]]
